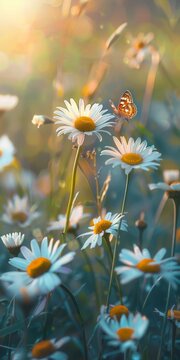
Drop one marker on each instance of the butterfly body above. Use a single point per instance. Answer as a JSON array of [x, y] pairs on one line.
[[126, 107]]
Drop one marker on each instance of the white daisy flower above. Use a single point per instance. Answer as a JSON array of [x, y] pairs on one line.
[[171, 183], [15, 287], [13, 242], [139, 50], [172, 314], [132, 154], [40, 266], [141, 263], [7, 152], [75, 218], [125, 332], [101, 226], [82, 120], [18, 211], [49, 349], [7, 102]]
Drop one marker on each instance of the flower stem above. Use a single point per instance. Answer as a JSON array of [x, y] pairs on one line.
[[173, 245], [116, 244], [96, 175], [108, 245], [173, 340], [67, 291], [150, 82], [73, 182]]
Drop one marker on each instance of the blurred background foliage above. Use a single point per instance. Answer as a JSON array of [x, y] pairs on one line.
[[50, 50]]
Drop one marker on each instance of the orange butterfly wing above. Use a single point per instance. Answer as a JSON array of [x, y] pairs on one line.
[[126, 107]]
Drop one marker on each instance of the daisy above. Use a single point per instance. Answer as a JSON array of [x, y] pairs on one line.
[[101, 226], [18, 211], [7, 102], [125, 332], [13, 242], [114, 311], [172, 314], [82, 120], [139, 50], [40, 266], [132, 154], [75, 218], [49, 349], [141, 263], [15, 287], [171, 183], [7, 151]]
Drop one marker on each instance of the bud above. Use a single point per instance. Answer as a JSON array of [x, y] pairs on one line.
[[13, 242], [39, 120], [140, 223]]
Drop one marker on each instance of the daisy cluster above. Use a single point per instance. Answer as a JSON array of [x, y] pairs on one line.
[[41, 269]]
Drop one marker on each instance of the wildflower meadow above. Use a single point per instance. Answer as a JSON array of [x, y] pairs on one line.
[[89, 180]]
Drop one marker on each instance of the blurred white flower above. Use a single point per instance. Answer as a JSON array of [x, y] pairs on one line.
[[101, 226], [171, 183], [172, 314], [49, 349], [175, 186], [18, 211], [7, 102], [76, 217], [124, 333], [171, 175], [7, 151], [13, 242], [140, 263], [82, 120], [40, 267], [132, 154], [139, 50]]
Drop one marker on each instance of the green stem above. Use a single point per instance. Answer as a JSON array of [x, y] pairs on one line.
[[98, 200], [45, 327], [140, 240], [173, 340], [80, 318], [108, 245], [93, 277], [10, 336], [116, 243], [73, 182], [173, 245]]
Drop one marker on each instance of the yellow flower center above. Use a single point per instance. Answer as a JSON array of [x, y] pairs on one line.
[[118, 311], [174, 314], [146, 266], [178, 235], [1, 152], [38, 267], [19, 216], [43, 349], [175, 182], [125, 333], [102, 225], [139, 44], [84, 123], [132, 158]]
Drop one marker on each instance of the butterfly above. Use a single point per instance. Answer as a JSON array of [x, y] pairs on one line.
[[126, 107]]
